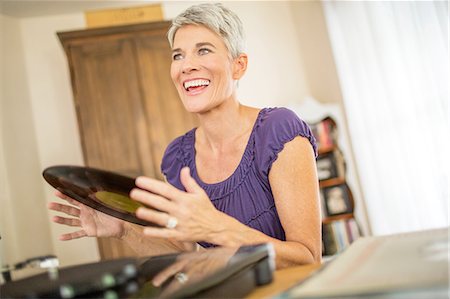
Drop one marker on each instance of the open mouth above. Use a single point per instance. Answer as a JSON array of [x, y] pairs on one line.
[[195, 84]]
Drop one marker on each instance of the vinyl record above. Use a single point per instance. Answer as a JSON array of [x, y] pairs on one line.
[[105, 191]]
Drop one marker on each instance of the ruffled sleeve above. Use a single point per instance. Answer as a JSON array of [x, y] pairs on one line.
[[278, 127], [173, 160]]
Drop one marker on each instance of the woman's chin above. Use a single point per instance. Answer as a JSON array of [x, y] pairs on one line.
[[193, 108]]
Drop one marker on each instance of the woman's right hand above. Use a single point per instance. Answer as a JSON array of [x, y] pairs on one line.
[[92, 222]]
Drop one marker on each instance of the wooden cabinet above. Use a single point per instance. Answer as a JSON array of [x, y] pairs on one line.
[[127, 107], [339, 227]]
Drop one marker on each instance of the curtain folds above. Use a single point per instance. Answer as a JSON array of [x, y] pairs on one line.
[[393, 64]]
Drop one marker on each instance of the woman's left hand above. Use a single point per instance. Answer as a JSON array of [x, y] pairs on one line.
[[183, 216]]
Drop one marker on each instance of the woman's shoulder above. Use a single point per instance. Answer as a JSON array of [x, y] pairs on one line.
[[275, 128], [276, 118], [177, 150], [181, 140], [279, 112]]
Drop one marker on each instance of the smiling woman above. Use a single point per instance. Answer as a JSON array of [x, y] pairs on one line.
[[243, 176], [202, 66]]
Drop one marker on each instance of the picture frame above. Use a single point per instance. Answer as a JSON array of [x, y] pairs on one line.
[[326, 166], [330, 165], [337, 200]]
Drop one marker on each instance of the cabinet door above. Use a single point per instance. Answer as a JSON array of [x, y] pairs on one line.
[[109, 107], [127, 107]]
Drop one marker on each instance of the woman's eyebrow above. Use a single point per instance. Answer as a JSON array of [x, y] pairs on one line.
[[199, 45]]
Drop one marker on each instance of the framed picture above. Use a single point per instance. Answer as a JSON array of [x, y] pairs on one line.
[[326, 166], [330, 165], [337, 200]]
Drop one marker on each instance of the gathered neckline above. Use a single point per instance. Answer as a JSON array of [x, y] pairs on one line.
[[223, 188]]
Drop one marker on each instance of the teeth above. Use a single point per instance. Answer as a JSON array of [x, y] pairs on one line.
[[195, 83]]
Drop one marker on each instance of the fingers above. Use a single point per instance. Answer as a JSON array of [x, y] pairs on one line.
[[159, 187], [168, 191], [69, 210], [170, 271], [66, 198], [61, 195], [152, 216], [67, 221], [152, 200], [188, 182], [72, 236]]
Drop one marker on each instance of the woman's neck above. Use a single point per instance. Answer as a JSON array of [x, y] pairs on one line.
[[225, 125]]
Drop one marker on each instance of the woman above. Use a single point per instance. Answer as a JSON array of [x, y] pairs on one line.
[[244, 176]]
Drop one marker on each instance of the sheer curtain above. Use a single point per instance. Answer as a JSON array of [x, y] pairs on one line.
[[393, 64]]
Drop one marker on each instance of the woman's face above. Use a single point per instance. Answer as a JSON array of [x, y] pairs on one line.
[[202, 68]]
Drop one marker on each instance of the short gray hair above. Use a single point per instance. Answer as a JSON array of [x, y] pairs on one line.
[[215, 17]]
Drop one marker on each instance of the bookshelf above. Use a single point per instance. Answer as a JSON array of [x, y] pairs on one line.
[[339, 226]]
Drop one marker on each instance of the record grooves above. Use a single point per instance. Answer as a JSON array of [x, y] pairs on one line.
[[105, 191]]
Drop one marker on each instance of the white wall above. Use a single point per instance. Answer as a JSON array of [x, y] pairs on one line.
[[4, 187], [275, 72], [319, 67], [25, 231], [54, 116], [48, 121]]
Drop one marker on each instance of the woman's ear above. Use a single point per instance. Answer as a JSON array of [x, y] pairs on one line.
[[240, 66]]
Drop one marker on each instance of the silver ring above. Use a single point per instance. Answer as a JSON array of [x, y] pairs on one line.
[[181, 277], [172, 222]]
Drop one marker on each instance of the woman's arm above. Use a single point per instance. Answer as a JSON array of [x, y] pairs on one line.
[[146, 246], [294, 184]]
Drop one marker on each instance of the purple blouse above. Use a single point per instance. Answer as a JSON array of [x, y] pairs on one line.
[[246, 195]]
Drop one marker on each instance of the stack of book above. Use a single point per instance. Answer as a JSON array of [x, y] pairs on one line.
[[325, 133], [338, 235]]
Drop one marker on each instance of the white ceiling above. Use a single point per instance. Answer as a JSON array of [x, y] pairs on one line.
[[34, 8]]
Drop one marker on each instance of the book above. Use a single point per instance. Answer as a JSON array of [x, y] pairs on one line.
[[329, 241], [325, 133]]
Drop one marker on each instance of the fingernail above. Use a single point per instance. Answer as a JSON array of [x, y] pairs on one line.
[[139, 211], [133, 193], [140, 180], [156, 283]]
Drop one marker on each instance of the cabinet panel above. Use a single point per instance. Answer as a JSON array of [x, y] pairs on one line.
[[109, 107]]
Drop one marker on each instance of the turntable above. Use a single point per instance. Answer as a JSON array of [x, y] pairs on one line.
[[212, 273]]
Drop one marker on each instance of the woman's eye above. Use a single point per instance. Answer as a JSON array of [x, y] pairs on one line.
[[203, 51], [176, 57]]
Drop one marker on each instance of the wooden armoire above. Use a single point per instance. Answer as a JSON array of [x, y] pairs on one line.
[[128, 109]]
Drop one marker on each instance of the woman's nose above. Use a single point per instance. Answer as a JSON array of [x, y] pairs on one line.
[[190, 64]]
